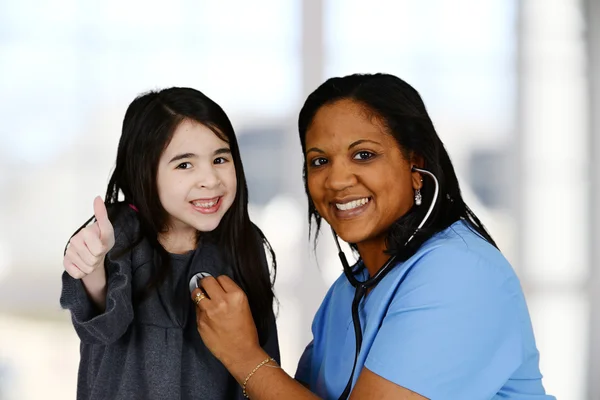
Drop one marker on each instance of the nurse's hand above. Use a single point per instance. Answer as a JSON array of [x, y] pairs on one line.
[[227, 328], [226, 325]]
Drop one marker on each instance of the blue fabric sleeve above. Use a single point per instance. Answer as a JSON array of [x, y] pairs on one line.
[[304, 365], [452, 329]]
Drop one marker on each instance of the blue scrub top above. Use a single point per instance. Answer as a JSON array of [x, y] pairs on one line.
[[456, 327]]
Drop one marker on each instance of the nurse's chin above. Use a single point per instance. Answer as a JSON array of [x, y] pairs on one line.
[[354, 235]]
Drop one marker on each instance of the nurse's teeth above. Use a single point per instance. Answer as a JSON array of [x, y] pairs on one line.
[[352, 204]]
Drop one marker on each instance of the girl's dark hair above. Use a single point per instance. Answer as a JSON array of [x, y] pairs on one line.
[[399, 107], [148, 127]]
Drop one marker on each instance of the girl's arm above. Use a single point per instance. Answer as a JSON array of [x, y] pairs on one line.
[[97, 288], [84, 257]]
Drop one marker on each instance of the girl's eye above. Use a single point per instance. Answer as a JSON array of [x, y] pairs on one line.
[[317, 162], [220, 160], [363, 155], [184, 165]]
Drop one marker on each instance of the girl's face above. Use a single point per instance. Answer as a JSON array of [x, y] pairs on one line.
[[196, 179]]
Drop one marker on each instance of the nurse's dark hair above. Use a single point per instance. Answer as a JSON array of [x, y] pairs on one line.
[[399, 107], [148, 127]]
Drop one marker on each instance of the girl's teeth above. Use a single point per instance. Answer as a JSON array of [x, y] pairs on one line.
[[205, 205], [352, 204]]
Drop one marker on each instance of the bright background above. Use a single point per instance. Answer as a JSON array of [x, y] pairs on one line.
[[512, 86]]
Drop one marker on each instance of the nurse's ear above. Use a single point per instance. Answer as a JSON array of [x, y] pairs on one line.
[[418, 162]]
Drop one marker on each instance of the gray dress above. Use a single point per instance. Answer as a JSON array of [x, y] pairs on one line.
[[150, 350]]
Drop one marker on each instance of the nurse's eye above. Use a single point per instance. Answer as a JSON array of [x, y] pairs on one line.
[[184, 165], [318, 162], [364, 155]]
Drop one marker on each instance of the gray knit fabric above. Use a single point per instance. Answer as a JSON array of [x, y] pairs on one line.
[[151, 350]]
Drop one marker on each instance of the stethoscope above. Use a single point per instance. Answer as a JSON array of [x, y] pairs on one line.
[[362, 287]]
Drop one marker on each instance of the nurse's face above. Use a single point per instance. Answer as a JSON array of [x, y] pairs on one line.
[[358, 178]]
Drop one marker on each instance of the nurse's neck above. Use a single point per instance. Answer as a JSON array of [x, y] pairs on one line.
[[373, 254]]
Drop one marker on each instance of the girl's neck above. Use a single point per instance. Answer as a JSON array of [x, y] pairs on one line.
[[178, 242]]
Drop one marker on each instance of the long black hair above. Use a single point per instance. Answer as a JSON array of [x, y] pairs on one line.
[[148, 127], [399, 107]]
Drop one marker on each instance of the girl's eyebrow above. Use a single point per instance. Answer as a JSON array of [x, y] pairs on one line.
[[222, 150], [182, 156]]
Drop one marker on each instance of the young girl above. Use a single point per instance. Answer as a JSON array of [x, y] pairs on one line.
[[184, 210]]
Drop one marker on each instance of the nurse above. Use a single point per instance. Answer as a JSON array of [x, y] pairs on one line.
[[431, 310]]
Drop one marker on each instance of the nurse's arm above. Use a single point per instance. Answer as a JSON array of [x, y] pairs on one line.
[[274, 383], [226, 326], [269, 383], [372, 386]]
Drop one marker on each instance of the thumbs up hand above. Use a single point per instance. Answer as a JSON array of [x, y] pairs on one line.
[[90, 245]]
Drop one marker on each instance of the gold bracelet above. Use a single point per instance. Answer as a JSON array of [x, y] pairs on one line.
[[252, 373]]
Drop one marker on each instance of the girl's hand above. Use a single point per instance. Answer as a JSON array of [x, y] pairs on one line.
[[86, 251]]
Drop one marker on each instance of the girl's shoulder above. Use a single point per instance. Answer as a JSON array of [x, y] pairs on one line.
[[125, 222]]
